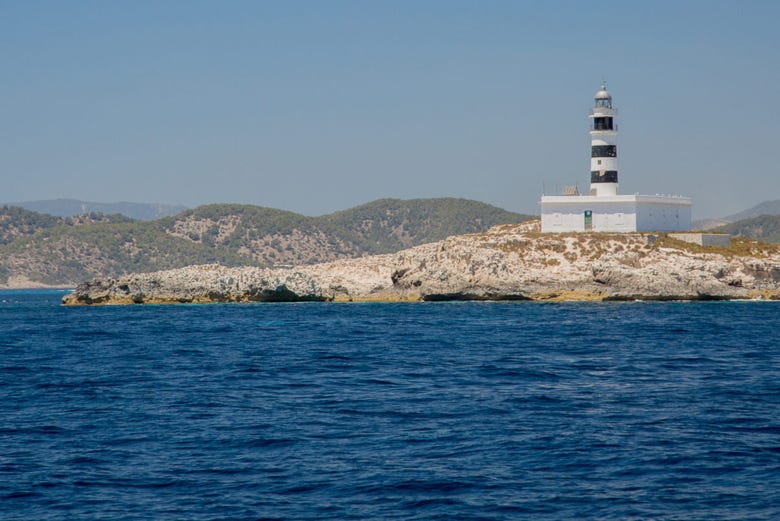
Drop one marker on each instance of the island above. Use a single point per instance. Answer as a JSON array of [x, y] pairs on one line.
[[507, 262]]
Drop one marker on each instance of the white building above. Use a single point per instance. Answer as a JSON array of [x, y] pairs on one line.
[[604, 210]]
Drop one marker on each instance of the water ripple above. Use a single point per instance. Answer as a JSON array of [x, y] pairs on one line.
[[389, 411]]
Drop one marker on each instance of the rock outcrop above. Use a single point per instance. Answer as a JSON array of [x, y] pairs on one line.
[[508, 262]]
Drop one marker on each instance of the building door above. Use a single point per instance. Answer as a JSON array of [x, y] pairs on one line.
[[588, 220]]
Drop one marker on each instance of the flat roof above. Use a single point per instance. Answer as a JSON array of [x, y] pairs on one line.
[[605, 199]]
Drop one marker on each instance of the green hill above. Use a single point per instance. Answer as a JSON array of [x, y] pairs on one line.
[[17, 222], [59, 251], [763, 228], [389, 225]]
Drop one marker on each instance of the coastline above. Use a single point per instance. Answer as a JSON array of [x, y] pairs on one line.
[[558, 298], [509, 262]]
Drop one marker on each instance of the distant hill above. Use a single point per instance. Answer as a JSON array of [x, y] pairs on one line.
[[389, 225], [763, 228], [765, 208], [58, 251], [73, 207]]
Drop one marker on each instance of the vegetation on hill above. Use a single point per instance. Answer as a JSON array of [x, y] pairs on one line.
[[389, 225], [56, 250], [763, 228], [17, 222], [66, 253]]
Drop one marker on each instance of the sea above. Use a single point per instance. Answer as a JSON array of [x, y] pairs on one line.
[[434, 411]]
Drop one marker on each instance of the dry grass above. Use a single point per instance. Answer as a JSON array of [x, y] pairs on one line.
[[740, 247]]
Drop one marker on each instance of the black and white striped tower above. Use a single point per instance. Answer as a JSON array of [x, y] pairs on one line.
[[603, 147]]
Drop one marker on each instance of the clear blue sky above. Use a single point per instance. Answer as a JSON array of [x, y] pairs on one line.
[[319, 106]]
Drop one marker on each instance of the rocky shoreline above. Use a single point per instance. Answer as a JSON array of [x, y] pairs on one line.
[[508, 262]]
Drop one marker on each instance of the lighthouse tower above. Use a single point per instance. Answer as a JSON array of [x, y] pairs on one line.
[[603, 210], [603, 148]]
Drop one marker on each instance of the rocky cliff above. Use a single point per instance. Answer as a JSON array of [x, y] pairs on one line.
[[508, 262]]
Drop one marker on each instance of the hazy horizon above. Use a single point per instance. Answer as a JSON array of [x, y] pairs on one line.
[[180, 207], [317, 107]]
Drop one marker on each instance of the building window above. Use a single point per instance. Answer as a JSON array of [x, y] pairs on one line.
[[602, 123]]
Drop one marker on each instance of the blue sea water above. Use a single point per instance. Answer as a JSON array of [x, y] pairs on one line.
[[389, 411]]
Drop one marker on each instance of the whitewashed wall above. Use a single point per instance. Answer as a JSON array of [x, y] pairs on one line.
[[570, 217], [663, 217], [633, 213]]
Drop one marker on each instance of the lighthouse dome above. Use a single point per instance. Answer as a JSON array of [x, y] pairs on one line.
[[602, 93]]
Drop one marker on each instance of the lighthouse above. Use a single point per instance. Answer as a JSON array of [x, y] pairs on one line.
[[602, 209], [603, 146]]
